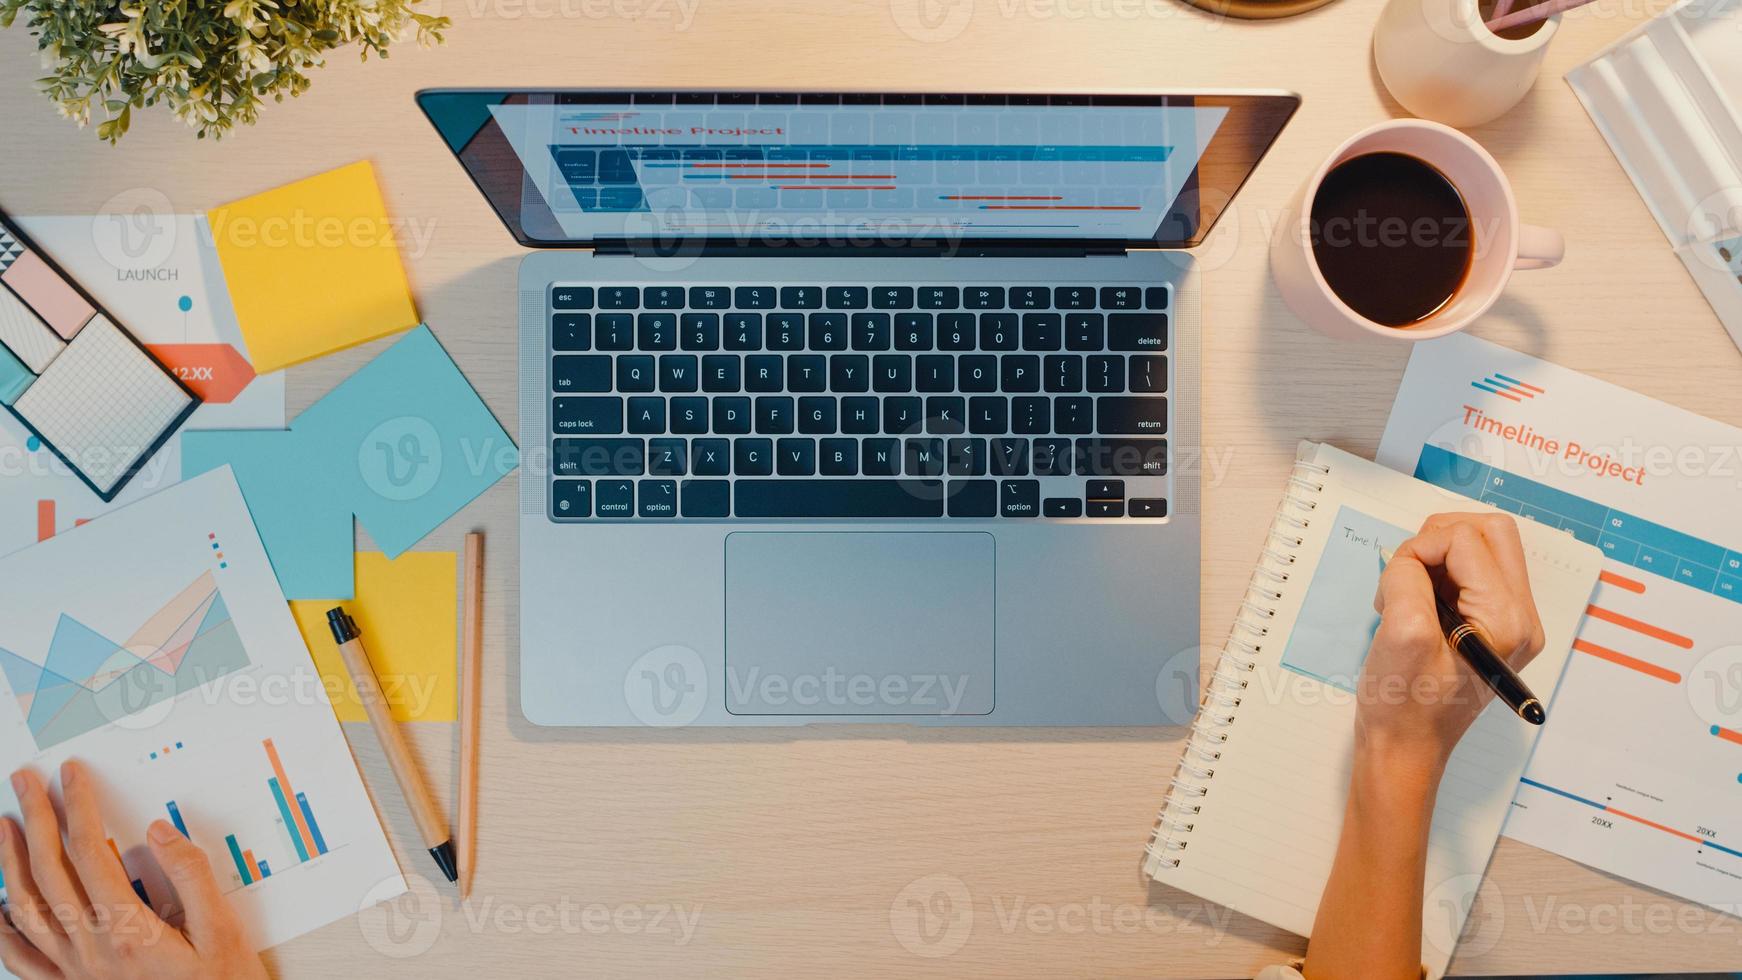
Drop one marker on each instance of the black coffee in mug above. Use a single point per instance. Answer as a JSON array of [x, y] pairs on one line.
[[1392, 237]]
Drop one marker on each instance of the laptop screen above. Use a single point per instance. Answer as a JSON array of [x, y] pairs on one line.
[[586, 167]]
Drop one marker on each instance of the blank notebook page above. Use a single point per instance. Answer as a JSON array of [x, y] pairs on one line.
[[1253, 817]]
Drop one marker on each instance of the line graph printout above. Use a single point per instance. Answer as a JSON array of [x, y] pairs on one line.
[[154, 645], [1639, 770]]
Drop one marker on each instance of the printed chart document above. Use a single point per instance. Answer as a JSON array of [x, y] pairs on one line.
[[1639, 770], [154, 645]]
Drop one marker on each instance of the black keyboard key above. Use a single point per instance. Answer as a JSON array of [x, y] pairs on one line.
[[1156, 298], [774, 415], [892, 298], [808, 372], [754, 297], [1031, 416], [678, 373], [1009, 457], [700, 331], [983, 297], [1064, 373], [848, 297], [614, 331], [801, 297], [944, 415], [1030, 298], [657, 331], [667, 457], [939, 297], [1131, 416], [934, 373], [902, 416], [663, 298], [977, 372], [598, 457], [1019, 373], [1137, 331], [795, 457], [1105, 508], [571, 297], [1019, 498], [816, 415], [1113, 456], [989, 415], [571, 331], [710, 298], [786, 331], [614, 498], [925, 457], [871, 331], [1062, 507], [636, 373], [1042, 331], [764, 373], [1085, 332], [580, 373], [973, 498], [892, 374], [744, 330], [753, 457], [657, 498], [849, 373], [646, 416], [956, 331], [1106, 373], [1121, 298], [571, 498], [838, 457], [619, 297], [689, 416], [966, 457], [1074, 297], [999, 331], [710, 457], [1073, 415], [731, 416], [705, 498], [828, 331], [587, 416], [1104, 490], [913, 331], [1148, 372], [838, 498], [880, 457], [721, 373], [1148, 507], [859, 416]]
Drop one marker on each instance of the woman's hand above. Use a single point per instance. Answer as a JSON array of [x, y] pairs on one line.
[[72, 912], [1417, 696]]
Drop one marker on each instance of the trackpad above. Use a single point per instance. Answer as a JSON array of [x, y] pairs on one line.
[[859, 623]]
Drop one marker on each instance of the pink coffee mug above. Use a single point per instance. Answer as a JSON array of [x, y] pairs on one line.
[[1502, 244]]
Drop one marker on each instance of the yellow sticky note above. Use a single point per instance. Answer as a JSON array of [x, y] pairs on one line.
[[313, 267], [408, 612]]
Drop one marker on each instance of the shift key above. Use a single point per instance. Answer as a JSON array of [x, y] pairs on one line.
[[1137, 331], [1125, 416]]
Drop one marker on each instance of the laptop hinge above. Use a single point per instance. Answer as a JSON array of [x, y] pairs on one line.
[[856, 249]]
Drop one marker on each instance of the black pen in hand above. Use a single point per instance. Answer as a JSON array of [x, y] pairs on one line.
[[1467, 640]]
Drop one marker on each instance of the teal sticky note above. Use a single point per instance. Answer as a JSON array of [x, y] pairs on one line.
[[14, 377], [402, 445]]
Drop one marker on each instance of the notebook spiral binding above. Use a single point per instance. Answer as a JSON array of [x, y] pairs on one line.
[[1211, 730]]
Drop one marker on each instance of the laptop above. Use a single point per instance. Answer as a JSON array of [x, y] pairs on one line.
[[858, 407]]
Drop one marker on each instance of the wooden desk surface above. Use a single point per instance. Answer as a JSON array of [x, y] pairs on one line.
[[717, 853]]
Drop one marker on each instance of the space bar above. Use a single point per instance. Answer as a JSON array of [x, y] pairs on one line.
[[839, 498]]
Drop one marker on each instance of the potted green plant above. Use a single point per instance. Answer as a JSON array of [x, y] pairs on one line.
[[214, 63]]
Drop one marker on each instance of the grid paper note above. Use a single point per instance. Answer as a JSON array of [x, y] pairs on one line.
[[25, 335], [103, 403]]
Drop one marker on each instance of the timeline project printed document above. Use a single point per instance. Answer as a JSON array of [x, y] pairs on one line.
[[1639, 770]]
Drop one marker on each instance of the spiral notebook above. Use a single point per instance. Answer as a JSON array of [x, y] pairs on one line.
[[1253, 811]]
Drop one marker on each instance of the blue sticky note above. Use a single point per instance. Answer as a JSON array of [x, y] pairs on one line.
[[401, 445], [14, 377]]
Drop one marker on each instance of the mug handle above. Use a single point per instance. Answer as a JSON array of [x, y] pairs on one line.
[[1539, 248]]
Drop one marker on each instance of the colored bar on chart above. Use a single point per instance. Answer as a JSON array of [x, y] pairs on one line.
[[313, 828], [1727, 734], [308, 841], [44, 520], [175, 818], [248, 859], [265, 872], [1646, 629], [241, 862], [1623, 660], [291, 821], [1621, 582]]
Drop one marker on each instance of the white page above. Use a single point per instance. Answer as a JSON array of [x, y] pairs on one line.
[[173, 635], [1639, 771]]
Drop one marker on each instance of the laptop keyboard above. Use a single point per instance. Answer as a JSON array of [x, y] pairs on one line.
[[830, 402]]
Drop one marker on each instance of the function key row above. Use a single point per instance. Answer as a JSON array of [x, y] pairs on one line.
[[865, 331], [567, 298], [622, 499]]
